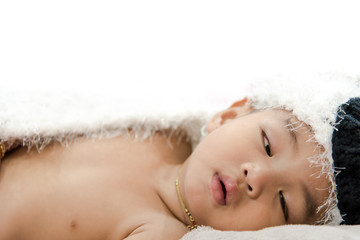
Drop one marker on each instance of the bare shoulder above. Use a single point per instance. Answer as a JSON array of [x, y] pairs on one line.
[[157, 232], [158, 228], [170, 145]]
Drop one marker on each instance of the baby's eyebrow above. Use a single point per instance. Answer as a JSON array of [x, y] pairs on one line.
[[290, 127], [309, 201]]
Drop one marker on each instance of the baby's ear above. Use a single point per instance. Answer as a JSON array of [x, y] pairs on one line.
[[236, 110]]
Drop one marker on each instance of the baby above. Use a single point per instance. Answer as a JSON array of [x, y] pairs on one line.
[[253, 170]]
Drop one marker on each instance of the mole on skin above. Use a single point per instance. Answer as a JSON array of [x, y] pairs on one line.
[[73, 225]]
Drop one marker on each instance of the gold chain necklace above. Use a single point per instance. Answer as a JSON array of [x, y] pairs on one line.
[[192, 220]]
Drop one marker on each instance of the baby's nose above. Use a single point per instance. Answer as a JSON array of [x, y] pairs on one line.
[[257, 180]]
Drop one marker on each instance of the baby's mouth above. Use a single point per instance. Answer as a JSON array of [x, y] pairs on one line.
[[226, 189], [223, 189]]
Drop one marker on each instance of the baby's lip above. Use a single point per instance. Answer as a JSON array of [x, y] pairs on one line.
[[224, 189], [217, 190], [231, 187]]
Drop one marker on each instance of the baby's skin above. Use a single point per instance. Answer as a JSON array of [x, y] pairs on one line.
[[250, 172], [101, 189]]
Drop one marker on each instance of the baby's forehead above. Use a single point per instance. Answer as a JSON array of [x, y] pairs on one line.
[[278, 111], [285, 116]]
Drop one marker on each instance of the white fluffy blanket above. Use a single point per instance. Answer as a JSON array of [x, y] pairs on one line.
[[289, 232], [41, 116]]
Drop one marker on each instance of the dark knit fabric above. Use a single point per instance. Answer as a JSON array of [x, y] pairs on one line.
[[346, 155]]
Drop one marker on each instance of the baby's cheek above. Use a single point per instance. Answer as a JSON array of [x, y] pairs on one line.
[[253, 217], [205, 155]]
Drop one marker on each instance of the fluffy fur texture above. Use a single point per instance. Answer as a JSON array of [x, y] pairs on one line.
[[39, 117]]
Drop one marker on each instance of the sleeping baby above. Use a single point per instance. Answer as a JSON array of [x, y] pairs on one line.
[[261, 163]]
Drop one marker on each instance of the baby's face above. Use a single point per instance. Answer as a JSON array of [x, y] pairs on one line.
[[253, 172]]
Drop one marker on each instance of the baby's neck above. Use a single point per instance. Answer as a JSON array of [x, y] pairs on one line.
[[174, 157]]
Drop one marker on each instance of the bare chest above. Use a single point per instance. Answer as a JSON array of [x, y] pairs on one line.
[[91, 190]]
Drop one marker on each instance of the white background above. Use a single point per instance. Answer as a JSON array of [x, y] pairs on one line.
[[174, 47]]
